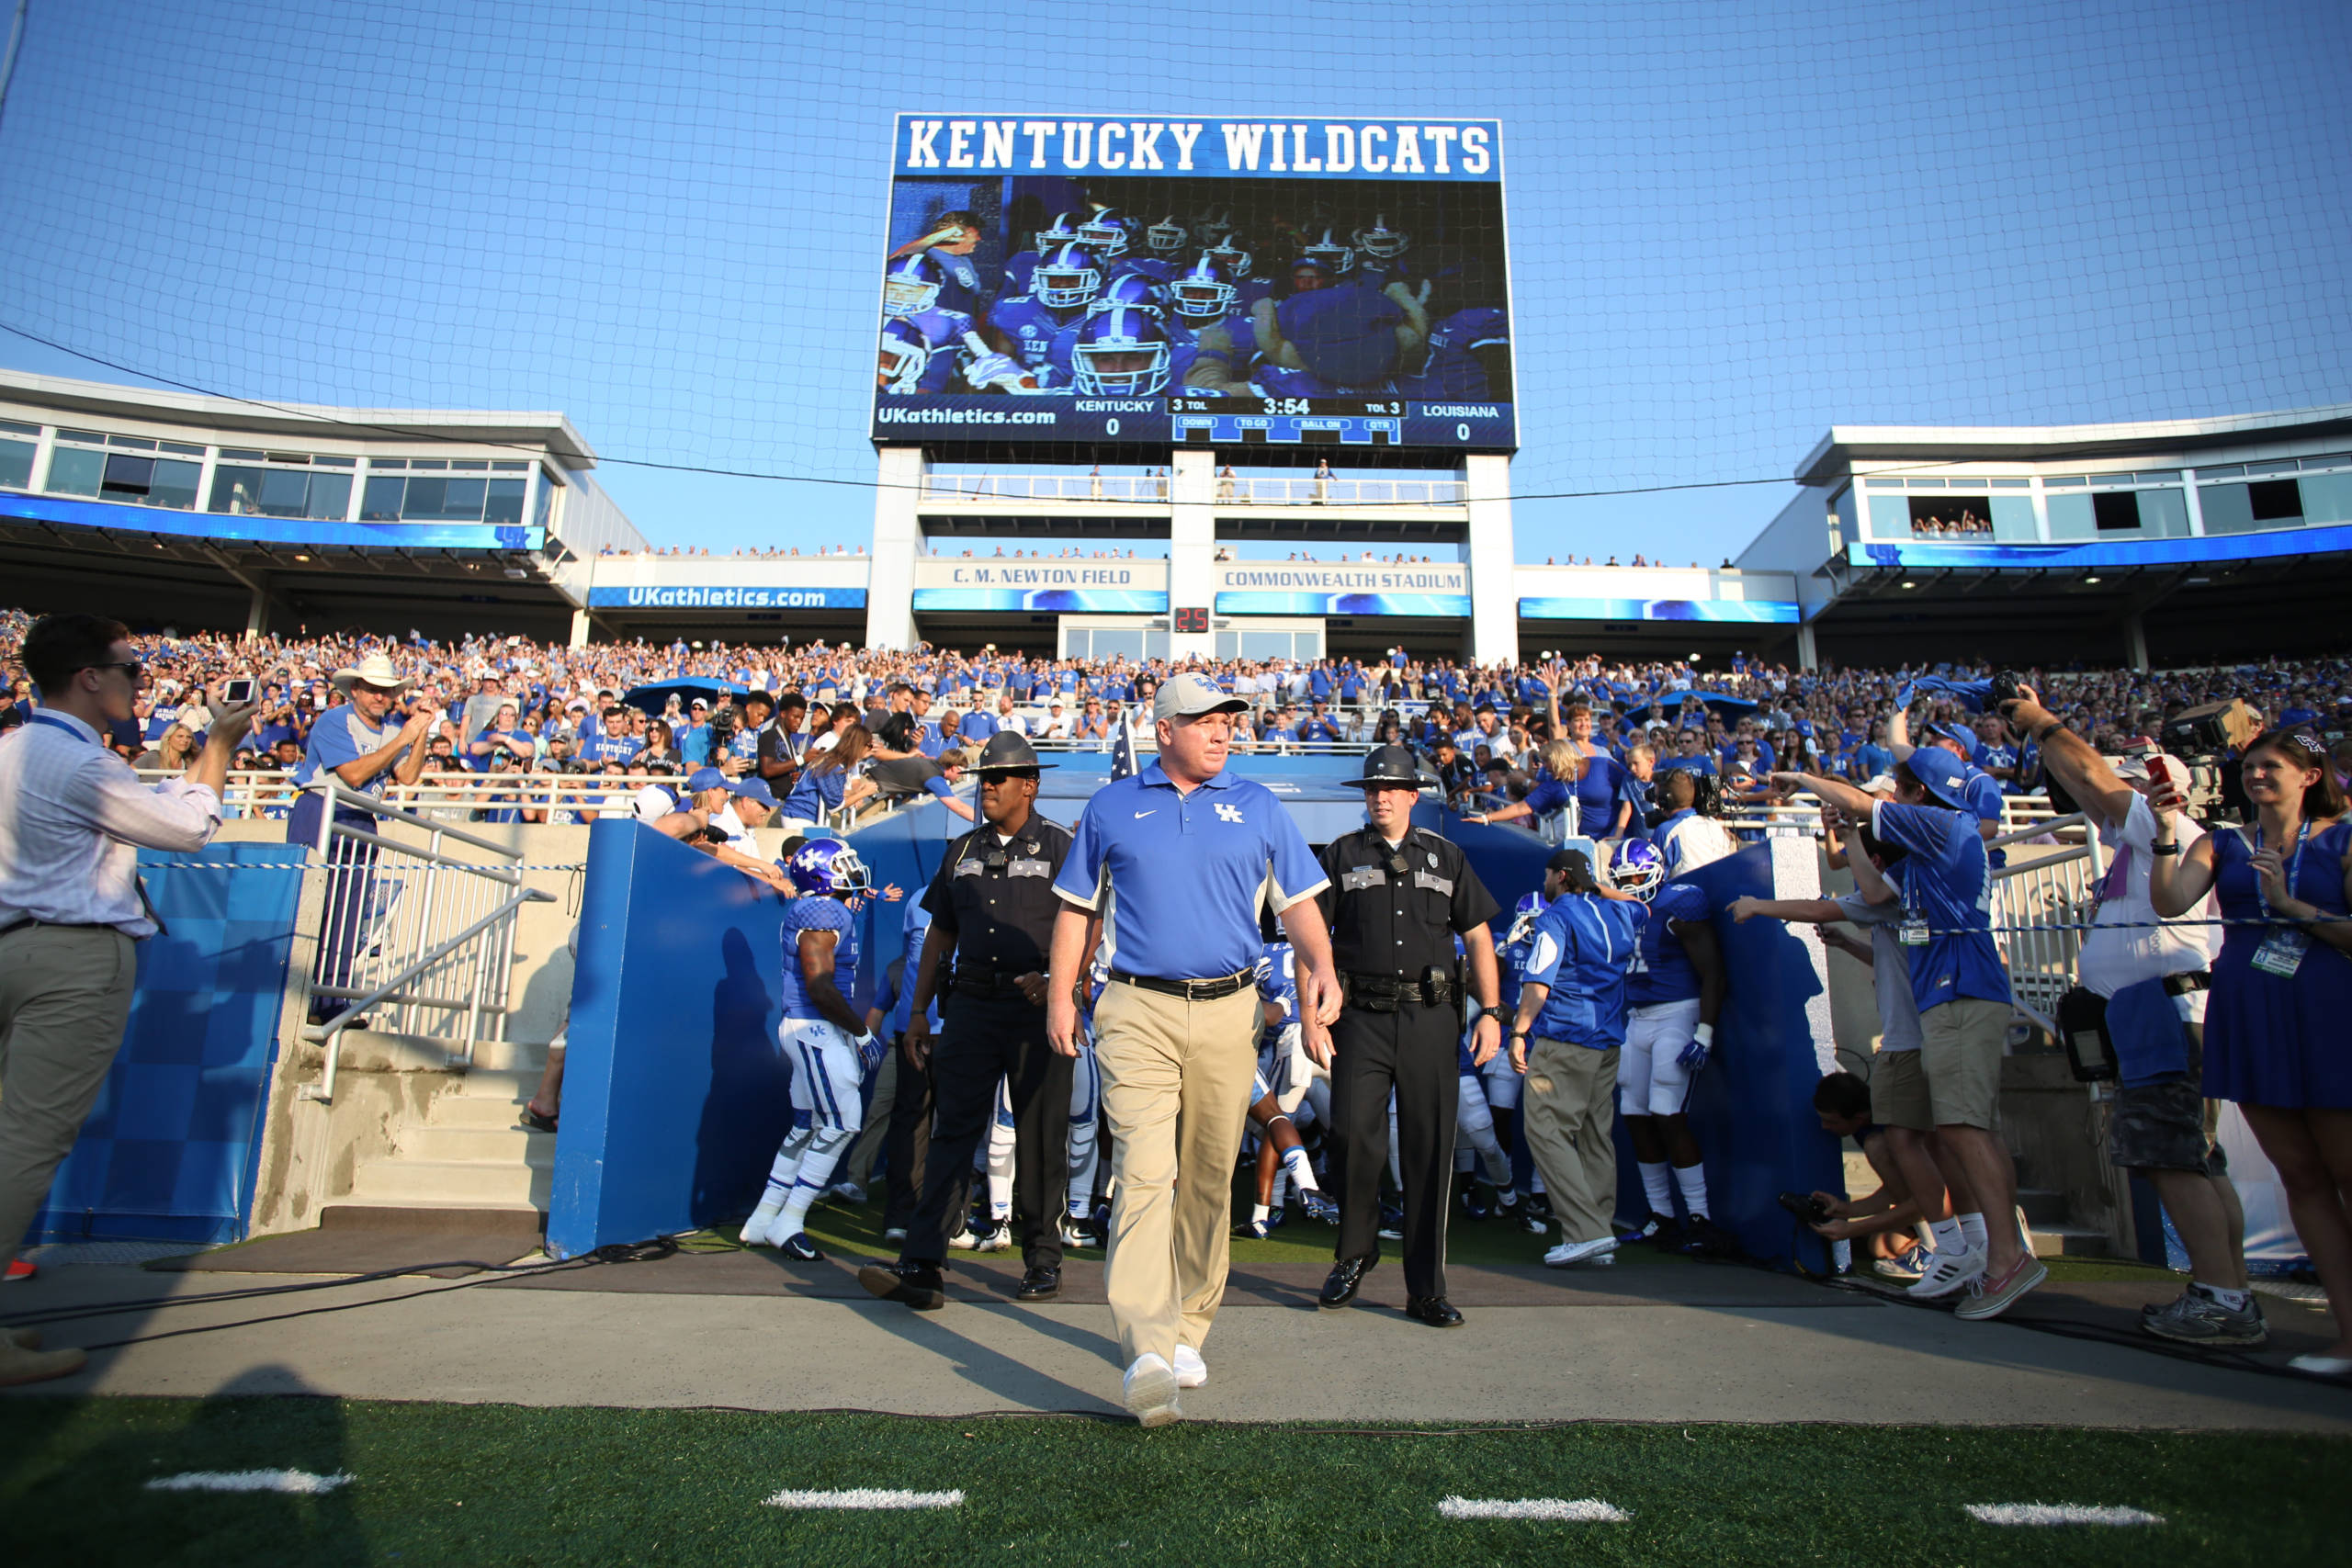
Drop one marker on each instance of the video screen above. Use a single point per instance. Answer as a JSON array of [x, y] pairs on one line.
[[1319, 283]]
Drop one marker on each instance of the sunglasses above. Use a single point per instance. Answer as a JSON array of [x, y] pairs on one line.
[[131, 668]]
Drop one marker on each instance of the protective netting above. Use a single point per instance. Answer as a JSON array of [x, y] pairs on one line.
[[1730, 224]]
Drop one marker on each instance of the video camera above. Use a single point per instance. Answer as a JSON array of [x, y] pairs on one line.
[[1807, 1207]]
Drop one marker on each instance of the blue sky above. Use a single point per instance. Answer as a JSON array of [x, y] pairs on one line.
[[1732, 224]]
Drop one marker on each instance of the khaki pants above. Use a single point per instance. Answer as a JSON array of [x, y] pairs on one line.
[[858, 1165], [64, 1000], [1176, 1098], [1571, 1117]]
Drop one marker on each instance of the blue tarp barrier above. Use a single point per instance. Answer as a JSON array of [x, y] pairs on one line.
[[170, 1151]]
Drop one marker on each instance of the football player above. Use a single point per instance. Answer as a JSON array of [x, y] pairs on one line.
[[950, 244], [830, 1049], [1334, 336], [1024, 326], [1379, 251], [1675, 991], [1107, 235], [1289, 1087], [909, 362], [1233, 252], [1501, 1088], [1126, 353], [1023, 265], [1167, 239], [1473, 1122]]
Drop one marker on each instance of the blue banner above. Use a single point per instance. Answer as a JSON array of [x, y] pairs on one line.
[[1100, 601], [273, 530], [1730, 611], [2104, 553], [1292, 150], [1451, 605], [727, 596]]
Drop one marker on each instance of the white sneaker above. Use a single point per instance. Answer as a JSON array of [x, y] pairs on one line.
[[997, 1240], [1149, 1391], [848, 1193], [1949, 1272], [1191, 1370], [755, 1229], [1598, 1249]]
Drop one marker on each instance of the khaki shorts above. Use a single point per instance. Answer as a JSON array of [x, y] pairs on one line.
[[1899, 1092], [1961, 1058]]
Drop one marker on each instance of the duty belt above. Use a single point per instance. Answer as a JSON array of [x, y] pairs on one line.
[[1191, 990], [1387, 993], [979, 980]]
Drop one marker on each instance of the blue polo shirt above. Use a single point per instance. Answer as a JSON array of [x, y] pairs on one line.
[[1947, 882], [1584, 946], [1178, 878], [339, 737]]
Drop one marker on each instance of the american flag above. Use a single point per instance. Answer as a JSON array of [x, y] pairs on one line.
[[1122, 750]]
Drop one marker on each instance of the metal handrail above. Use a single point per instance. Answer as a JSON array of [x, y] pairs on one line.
[[1158, 490]]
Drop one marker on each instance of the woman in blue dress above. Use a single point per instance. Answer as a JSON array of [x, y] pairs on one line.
[[2279, 1022]]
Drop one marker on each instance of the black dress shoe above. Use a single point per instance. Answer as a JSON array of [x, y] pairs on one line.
[[1042, 1283], [1347, 1278], [1435, 1311], [918, 1285]]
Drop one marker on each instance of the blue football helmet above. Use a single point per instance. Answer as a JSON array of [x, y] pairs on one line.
[[911, 284], [1639, 869], [1063, 233], [828, 866], [1167, 237], [1232, 252], [1204, 292], [1068, 279], [1134, 291], [1522, 917], [1122, 353], [1333, 254], [1380, 241], [905, 353], [1105, 234]]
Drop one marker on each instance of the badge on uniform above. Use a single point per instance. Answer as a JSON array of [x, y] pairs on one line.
[[1362, 876], [1911, 934], [1029, 868], [1442, 884], [969, 868], [2282, 953]]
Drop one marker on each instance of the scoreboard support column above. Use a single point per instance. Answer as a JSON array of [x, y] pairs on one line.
[[1191, 550], [1493, 559], [898, 537]]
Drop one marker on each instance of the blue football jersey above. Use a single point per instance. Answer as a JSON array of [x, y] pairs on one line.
[[1030, 328], [817, 913], [1278, 979], [1662, 970]]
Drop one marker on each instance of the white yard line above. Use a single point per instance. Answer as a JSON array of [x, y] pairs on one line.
[[2058, 1514], [1560, 1510], [865, 1497], [300, 1482]]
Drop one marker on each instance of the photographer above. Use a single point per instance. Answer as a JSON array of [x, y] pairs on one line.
[[2282, 988], [73, 816], [1842, 1101], [2145, 986], [1686, 832]]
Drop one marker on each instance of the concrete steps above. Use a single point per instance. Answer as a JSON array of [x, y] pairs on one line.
[[404, 1182], [2069, 1241], [472, 1149]]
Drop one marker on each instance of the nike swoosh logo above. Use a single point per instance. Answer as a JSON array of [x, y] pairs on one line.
[[1141, 815]]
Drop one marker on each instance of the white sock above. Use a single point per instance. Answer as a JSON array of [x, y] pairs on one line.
[[1971, 1232], [780, 1175], [2233, 1300], [1300, 1170], [1659, 1185], [1278, 1196], [1947, 1238], [1692, 1179], [1259, 1210]]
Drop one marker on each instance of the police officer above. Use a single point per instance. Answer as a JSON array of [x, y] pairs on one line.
[[992, 908], [1399, 895]]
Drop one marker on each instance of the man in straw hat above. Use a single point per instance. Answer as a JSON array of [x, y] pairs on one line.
[[354, 744]]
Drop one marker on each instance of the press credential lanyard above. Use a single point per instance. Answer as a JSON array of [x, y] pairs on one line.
[[2281, 952]]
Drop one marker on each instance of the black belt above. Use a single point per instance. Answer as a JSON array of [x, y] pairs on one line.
[[29, 921], [2186, 981], [1386, 993], [979, 980], [1191, 990]]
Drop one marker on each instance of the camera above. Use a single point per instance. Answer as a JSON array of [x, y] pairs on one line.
[[1805, 1206], [240, 692], [2009, 686]]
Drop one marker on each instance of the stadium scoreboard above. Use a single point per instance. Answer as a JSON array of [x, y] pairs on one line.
[[1288, 422]]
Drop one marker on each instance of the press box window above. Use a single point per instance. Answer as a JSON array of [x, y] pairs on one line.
[[75, 469], [431, 498], [281, 492], [150, 481], [17, 464]]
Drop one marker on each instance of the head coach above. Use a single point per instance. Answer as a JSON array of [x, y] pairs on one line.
[[73, 816], [1176, 863], [992, 908]]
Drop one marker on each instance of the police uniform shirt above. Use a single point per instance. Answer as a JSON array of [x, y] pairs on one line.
[[1396, 911], [994, 897]]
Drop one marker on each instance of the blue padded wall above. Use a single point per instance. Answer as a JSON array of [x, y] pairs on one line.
[[170, 1150]]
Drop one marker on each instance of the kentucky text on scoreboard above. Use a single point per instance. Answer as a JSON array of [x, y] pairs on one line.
[[1120, 282]]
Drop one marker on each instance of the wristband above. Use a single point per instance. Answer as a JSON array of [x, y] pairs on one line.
[[2042, 737], [2171, 848], [1501, 1015], [1518, 1034], [1703, 1036]]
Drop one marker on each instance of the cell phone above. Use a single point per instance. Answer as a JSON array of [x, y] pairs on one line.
[[240, 692], [2159, 770]]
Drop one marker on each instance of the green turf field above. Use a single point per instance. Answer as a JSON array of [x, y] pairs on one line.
[[501, 1485]]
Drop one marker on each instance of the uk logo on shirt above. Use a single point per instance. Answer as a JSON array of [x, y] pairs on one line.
[[1228, 813]]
